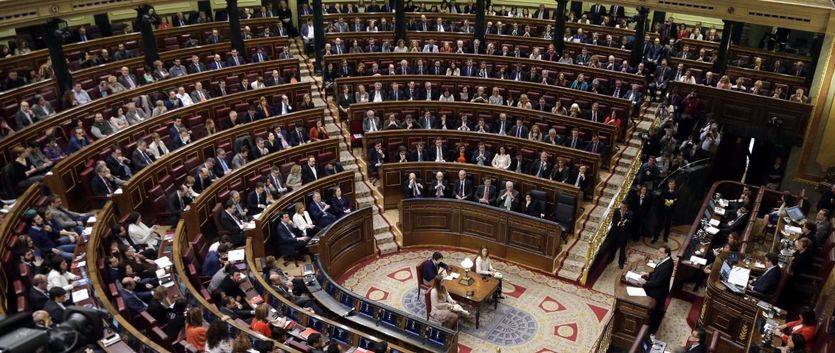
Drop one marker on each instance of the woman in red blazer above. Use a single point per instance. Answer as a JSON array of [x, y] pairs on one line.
[[806, 326]]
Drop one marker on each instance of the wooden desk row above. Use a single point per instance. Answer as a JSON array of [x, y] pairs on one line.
[[69, 174], [132, 41], [110, 103], [492, 61], [393, 175], [451, 138], [199, 217], [515, 237], [621, 107], [490, 113], [164, 175], [752, 115]]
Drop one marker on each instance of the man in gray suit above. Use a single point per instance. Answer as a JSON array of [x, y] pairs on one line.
[[24, 116], [199, 94], [371, 122]]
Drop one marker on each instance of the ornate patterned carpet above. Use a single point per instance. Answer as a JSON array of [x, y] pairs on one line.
[[539, 313]]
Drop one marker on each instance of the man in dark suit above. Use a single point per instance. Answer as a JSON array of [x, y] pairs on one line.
[[234, 58], [738, 224], [580, 178], [131, 297], [696, 342], [641, 203], [439, 187], [320, 211], [179, 201], [481, 156], [463, 187], [311, 171], [100, 185], [619, 232], [596, 146], [540, 168], [519, 130], [657, 285], [596, 12], [230, 222], [575, 141], [260, 56], [766, 284], [38, 294], [289, 243], [257, 201], [438, 152], [666, 206], [217, 63], [140, 158], [430, 268], [196, 66], [412, 187], [486, 193], [24, 116], [55, 306]]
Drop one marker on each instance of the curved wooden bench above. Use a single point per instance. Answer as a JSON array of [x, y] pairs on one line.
[[620, 107], [492, 61], [199, 217], [132, 41], [392, 139], [392, 176], [108, 105], [68, 175], [516, 237], [13, 282], [159, 179], [490, 113], [95, 257]]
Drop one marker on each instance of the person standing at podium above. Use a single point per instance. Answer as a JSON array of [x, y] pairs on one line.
[[657, 286]]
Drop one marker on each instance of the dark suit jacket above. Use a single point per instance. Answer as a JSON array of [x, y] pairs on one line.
[[139, 162], [286, 239], [514, 204], [534, 209], [767, 282], [37, 299], [657, 285], [307, 173], [433, 191], [55, 311], [491, 194], [537, 168], [228, 223], [409, 193], [98, 186], [467, 189], [177, 204], [254, 199]]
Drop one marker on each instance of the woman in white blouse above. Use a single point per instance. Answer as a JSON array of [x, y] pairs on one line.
[[140, 233], [443, 308], [687, 77], [60, 276], [157, 146], [535, 134], [453, 70], [119, 120], [501, 160], [446, 96], [484, 267], [361, 95], [302, 221]]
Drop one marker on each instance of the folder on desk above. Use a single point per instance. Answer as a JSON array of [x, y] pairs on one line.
[[712, 230], [698, 260], [635, 291], [236, 255], [304, 334], [739, 276], [633, 276], [80, 295], [163, 262], [714, 222], [719, 210]]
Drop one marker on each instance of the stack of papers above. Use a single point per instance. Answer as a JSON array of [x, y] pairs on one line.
[[739, 276], [713, 222], [250, 225], [719, 210], [92, 219], [80, 295], [163, 262], [698, 260], [635, 291], [633, 276], [793, 230], [236, 255], [712, 230]]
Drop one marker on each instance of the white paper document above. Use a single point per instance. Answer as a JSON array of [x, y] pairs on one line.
[[236, 255], [698, 260], [633, 276], [739, 276], [635, 291], [163, 262], [80, 295], [92, 219], [118, 191], [714, 222], [719, 210], [712, 230]]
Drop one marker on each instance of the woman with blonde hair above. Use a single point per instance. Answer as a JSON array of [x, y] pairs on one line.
[[524, 102], [535, 134], [157, 146], [724, 82], [294, 178], [303, 222], [209, 124]]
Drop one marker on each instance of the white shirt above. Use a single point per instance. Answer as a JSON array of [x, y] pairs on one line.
[[158, 149], [303, 222], [501, 161], [56, 279], [185, 99], [142, 234], [483, 266]]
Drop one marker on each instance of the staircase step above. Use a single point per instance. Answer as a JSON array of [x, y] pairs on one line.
[[365, 201], [387, 248]]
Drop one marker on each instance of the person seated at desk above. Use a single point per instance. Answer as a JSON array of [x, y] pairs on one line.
[[484, 267], [795, 344], [195, 330], [432, 267], [290, 245], [766, 283], [805, 326], [802, 259], [443, 308], [731, 251], [320, 211], [340, 205]]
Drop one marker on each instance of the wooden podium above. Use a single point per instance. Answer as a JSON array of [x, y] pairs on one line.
[[631, 312]]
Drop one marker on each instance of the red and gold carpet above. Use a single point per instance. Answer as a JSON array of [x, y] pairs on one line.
[[539, 313]]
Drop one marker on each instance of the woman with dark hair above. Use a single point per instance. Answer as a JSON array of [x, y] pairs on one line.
[[805, 326], [797, 344], [484, 267], [195, 331], [217, 338], [141, 234]]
